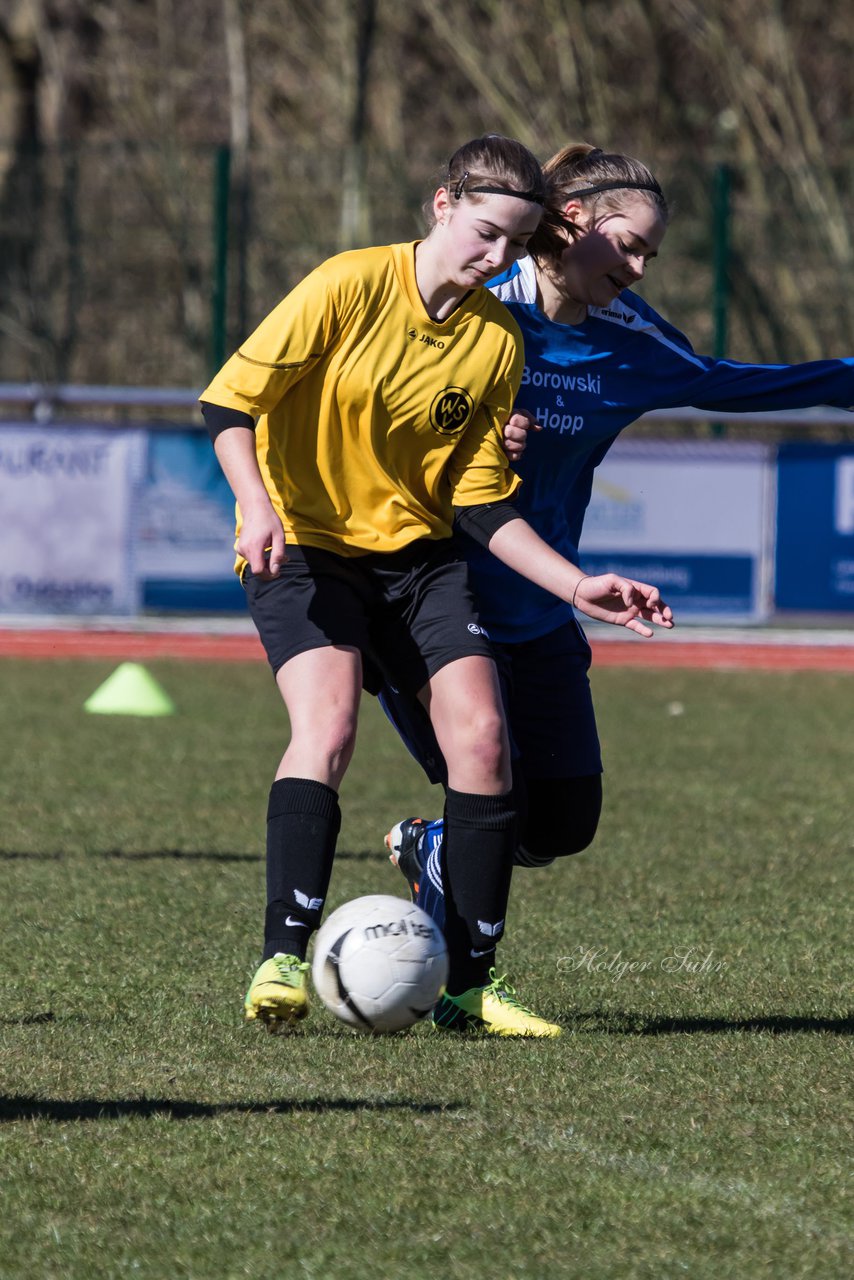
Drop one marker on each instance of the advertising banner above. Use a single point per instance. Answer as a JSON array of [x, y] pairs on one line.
[[185, 529], [116, 521], [693, 518], [815, 528], [66, 502]]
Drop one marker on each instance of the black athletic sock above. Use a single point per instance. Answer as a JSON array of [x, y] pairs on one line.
[[480, 835], [303, 821]]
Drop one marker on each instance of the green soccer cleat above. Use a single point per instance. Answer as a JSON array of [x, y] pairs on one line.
[[278, 995], [493, 1009]]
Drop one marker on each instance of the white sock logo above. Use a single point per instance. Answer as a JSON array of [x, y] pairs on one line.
[[490, 929], [310, 904]]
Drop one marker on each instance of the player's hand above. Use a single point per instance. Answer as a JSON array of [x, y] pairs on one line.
[[516, 430], [262, 541], [611, 598]]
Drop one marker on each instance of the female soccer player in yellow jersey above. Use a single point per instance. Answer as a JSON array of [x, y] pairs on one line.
[[359, 419]]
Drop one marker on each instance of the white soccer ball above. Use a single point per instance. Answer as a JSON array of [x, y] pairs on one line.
[[380, 963]]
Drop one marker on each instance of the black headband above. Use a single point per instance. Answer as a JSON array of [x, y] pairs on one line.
[[616, 185], [530, 196]]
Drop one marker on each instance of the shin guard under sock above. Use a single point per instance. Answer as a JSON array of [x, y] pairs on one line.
[[477, 854], [303, 821]]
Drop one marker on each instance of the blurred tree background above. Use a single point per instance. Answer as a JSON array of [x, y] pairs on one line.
[[169, 168]]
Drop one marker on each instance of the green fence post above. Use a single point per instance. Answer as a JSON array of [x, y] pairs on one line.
[[219, 289], [720, 233], [721, 207]]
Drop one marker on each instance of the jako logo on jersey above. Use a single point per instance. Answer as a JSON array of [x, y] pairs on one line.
[[477, 631], [425, 338], [451, 411]]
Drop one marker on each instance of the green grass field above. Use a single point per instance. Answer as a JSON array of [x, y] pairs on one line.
[[694, 1120]]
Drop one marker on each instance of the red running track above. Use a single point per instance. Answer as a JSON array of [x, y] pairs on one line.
[[203, 647]]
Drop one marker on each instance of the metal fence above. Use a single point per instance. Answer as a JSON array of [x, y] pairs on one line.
[[142, 266]]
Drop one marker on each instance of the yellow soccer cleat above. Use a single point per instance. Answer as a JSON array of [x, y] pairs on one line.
[[493, 1009], [278, 995]]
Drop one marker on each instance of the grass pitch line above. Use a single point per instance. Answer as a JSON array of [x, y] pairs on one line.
[[737, 1191]]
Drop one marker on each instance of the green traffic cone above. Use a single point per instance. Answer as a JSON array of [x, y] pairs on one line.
[[130, 691]]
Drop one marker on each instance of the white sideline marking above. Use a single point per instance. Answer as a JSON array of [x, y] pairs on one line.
[[724, 635], [734, 1190]]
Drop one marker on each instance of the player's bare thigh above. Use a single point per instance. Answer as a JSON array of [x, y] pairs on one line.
[[321, 689], [464, 703]]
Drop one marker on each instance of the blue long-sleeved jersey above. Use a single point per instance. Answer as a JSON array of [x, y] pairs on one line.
[[584, 384]]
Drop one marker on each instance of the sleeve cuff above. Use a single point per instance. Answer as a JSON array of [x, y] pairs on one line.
[[218, 418], [481, 522]]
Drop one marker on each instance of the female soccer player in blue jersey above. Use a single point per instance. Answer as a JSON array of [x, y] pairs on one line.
[[362, 412], [596, 358]]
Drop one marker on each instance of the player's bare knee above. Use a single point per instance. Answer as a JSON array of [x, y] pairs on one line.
[[340, 744], [479, 766], [328, 744], [487, 744]]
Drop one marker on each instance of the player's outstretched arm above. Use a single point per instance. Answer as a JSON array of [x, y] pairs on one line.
[[607, 597]]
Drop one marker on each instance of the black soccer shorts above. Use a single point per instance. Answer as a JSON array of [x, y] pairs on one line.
[[409, 612]]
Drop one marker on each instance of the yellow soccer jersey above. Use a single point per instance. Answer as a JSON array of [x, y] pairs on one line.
[[373, 419]]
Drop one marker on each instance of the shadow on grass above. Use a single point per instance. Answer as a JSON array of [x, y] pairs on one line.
[[12, 855], [27, 1108], [131, 855], [28, 1019], [178, 855], [629, 1024], [181, 855]]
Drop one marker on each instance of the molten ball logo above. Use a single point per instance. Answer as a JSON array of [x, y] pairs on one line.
[[451, 411]]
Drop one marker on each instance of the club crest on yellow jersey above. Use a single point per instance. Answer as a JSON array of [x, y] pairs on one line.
[[451, 411]]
